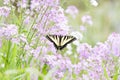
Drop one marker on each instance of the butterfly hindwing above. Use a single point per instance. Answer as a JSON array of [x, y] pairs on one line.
[[60, 41]]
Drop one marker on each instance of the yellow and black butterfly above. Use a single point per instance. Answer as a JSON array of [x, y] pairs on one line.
[[60, 41]]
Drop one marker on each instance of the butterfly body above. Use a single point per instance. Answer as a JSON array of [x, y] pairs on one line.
[[60, 41]]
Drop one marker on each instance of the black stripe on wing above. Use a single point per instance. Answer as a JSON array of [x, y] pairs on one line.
[[55, 37], [73, 39]]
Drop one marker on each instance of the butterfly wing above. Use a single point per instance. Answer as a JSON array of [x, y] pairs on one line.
[[66, 40], [54, 39]]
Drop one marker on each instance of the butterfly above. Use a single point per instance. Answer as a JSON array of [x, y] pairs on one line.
[[60, 41]]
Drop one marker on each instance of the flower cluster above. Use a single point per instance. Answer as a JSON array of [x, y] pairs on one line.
[[4, 11], [24, 25], [62, 64], [9, 31], [92, 61]]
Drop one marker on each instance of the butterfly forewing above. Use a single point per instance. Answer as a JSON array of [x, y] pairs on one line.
[[66, 40], [54, 38]]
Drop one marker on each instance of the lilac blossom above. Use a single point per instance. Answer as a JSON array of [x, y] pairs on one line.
[[82, 28], [39, 50], [40, 28], [9, 31], [56, 14], [62, 64], [4, 11], [102, 49], [27, 20], [58, 30], [51, 2], [87, 19], [45, 2], [77, 68], [22, 3], [6, 2], [84, 50], [91, 59], [114, 41], [72, 10], [23, 38]]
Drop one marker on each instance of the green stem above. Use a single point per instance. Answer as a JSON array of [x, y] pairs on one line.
[[8, 52], [21, 21], [43, 14], [33, 32], [30, 29]]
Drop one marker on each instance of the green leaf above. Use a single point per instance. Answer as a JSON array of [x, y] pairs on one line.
[[45, 69]]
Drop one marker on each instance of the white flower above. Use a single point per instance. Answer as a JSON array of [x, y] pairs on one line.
[[94, 3], [76, 43], [69, 52], [69, 47], [77, 34]]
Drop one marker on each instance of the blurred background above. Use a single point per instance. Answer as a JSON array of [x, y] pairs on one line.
[[105, 18]]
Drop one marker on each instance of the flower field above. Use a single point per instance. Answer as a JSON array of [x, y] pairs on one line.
[[59, 40]]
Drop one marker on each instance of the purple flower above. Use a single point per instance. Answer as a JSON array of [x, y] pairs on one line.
[[72, 10], [16, 40], [87, 19], [56, 15], [27, 20], [114, 42], [82, 28], [77, 68], [35, 4], [102, 49], [51, 2], [4, 11], [62, 64], [6, 2], [9, 31], [40, 29], [84, 50], [58, 30], [22, 4], [36, 52], [23, 38], [1, 31]]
